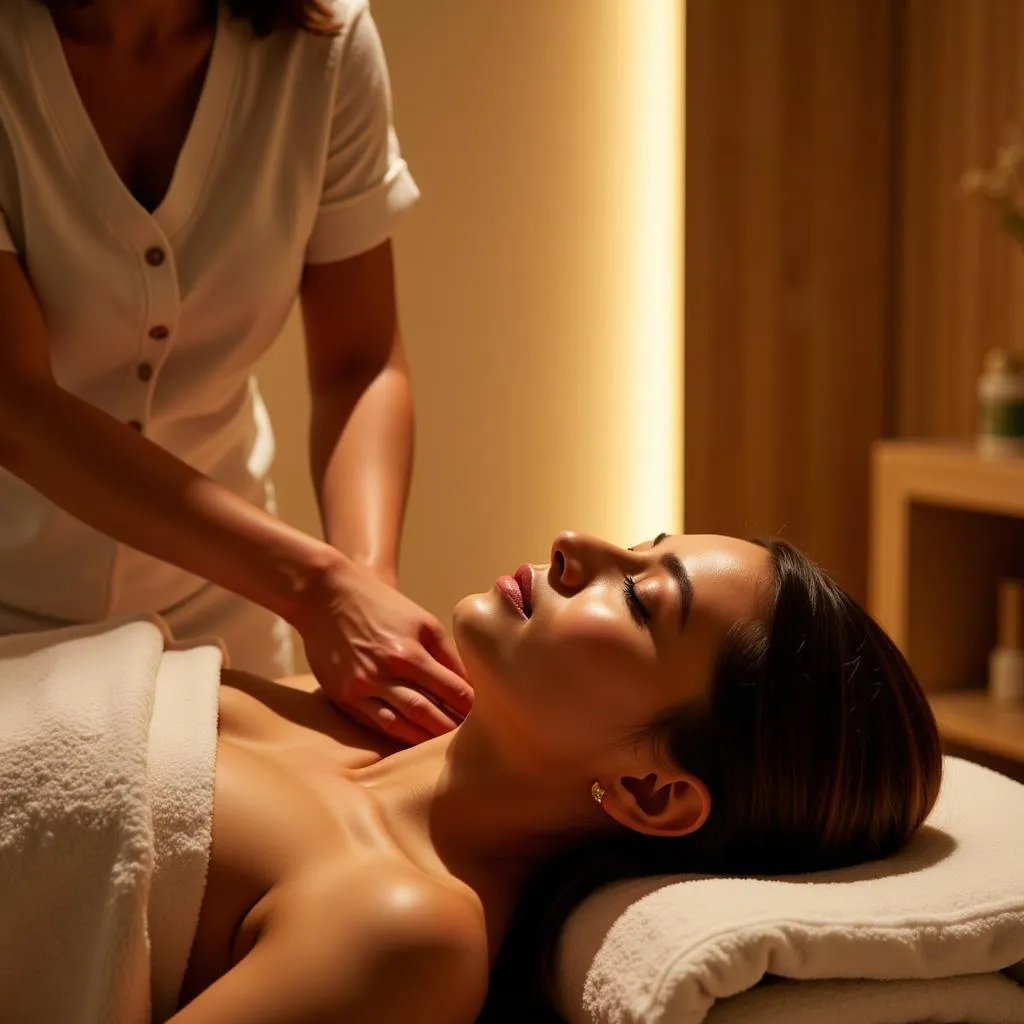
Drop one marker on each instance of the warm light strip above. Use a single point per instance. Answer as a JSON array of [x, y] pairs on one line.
[[653, 354]]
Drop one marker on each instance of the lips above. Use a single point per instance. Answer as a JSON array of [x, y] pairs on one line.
[[524, 577], [519, 589]]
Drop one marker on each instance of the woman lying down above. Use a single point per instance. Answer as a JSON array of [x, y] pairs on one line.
[[695, 703]]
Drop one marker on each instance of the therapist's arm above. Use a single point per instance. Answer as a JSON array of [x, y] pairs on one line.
[[361, 429], [116, 480], [359, 633]]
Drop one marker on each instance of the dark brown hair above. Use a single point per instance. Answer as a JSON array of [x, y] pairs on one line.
[[265, 16], [816, 743]]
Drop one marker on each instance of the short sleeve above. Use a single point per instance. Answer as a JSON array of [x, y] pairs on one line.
[[367, 184]]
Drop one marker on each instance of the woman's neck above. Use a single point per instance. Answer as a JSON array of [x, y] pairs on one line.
[[452, 801]]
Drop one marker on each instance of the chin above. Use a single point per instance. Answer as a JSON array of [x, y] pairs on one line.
[[476, 628], [472, 616]]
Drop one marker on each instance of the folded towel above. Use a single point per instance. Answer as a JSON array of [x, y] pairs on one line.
[[182, 764], [77, 842], [977, 998], [662, 951]]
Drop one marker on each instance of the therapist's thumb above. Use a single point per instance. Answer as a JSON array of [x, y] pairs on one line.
[[438, 645]]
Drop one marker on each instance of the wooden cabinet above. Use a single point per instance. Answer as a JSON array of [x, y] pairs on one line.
[[947, 524]]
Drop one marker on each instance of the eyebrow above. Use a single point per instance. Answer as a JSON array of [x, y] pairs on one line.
[[682, 577]]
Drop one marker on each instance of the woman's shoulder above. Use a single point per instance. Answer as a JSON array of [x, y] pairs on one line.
[[384, 898], [377, 941], [379, 923]]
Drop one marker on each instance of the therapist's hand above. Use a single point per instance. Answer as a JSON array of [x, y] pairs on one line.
[[380, 657]]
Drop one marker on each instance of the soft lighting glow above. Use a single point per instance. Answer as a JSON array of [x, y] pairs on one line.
[[652, 363]]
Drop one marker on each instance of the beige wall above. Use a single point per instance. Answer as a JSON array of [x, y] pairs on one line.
[[534, 293]]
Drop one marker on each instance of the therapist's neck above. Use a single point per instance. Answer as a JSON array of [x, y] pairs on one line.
[[132, 24]]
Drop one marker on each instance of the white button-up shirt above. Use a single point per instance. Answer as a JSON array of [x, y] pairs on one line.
[[158, 318]]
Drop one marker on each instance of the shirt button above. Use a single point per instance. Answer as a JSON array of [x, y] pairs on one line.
[[135, 425], [155, 256], [145, 371], [159, 333]]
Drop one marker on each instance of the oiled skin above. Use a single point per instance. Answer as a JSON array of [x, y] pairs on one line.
[[296, 839]]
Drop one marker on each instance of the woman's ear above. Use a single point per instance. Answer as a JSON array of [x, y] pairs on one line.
[[659, 803]]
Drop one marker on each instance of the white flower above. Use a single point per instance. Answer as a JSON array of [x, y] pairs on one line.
[[972, 181]]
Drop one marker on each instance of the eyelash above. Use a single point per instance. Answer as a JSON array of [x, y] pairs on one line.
[[637, 608]]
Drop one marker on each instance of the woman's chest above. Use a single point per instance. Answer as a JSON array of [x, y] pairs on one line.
[[293, 724], [276, 821]]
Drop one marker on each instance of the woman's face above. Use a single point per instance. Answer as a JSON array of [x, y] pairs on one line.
[[573, 658]]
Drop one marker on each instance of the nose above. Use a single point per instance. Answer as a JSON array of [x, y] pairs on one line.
[[576, 558]]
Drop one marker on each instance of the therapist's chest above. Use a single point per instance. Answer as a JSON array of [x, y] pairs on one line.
[[156, 228], [141, 106]]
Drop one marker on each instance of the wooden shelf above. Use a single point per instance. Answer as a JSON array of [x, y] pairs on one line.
[[953, 473], [969, 718], [947, 525]]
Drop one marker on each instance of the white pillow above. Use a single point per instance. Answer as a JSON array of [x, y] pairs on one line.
[[662, 951]]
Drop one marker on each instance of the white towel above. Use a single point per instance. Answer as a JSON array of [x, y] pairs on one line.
[[976, 998], [662, 951], [182, 764], [77, 843]]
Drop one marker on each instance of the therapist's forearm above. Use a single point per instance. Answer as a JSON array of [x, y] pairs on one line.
[[127, 487], [361, 450]]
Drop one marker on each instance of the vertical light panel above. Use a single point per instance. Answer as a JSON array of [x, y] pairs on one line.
[[540, 277], [652, 353]]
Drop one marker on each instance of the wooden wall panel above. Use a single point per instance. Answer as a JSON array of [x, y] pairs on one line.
[[960, 281], [789, 124]]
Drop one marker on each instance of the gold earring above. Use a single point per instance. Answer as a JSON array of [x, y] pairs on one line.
[[597, 791]]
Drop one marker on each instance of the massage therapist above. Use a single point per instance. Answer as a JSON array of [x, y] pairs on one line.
[[173, 175]]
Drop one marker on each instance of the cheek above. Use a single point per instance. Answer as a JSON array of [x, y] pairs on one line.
[[584, 669], [598, 638], [593, 658]]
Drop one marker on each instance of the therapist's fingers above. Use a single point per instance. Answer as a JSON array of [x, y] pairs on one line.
[[440, 647], [382, 717], [418, 665], [443, 650], [416, 707]]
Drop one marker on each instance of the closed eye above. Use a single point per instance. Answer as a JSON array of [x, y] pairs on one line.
[[640, 612]]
